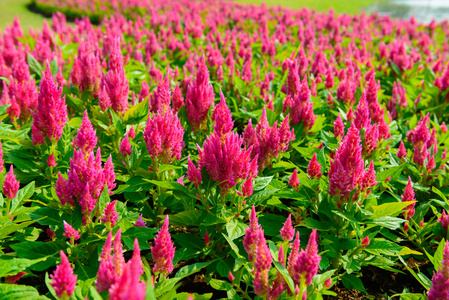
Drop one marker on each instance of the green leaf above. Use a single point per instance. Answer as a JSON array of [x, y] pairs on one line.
[[351, 281], [14, 292], [284, 272], [136, 113], [235, 229], [259, 197], [38, 250], [222, 285], [233, 246], [13, 266], [425, 282], [388, 209], [261, 183], [34, 65], [438, 256], [47, 216], [186, 218], [192, 269], [388, 222], [143, 234], [393, 172]]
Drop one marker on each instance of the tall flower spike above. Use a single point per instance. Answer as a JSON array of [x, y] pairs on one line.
[[11, 184], [294, 180], [2, 161], [193, 173], [339, 128], [262, 266], [287, 231], [64, 281], [409, 195], [163, 251], [125, 146], [402, 152], [247, 188], [307, 263], [293, 257], [222, 117], [106, 274], [140, 222], [251, 238], [51, 115], [71, 233], [314, 169], [199, 97], [444, 221], [440, 281], [110, 215], [86, 138]]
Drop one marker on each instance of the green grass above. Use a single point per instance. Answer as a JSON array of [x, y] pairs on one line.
[[11, 8], [340, 6]]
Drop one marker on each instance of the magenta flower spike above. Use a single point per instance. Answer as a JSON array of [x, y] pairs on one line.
[[51, 115], [11, 184], [225, 160], [287, 231], [247, 188], [362, 118], [106, 275], [440, 281], [402, 152], [163, 251], [314, 169], [251, 238], [71, 233], [136, 259], [292, 258], [371, 139], [140, 222], [199, 97], [163, 136], [132, 132], [160, 100], [443, 127], [369, 179], [129, 286], [64, 281], [365, 241], [51, 162], [86, 138], [307, 263], [206, 239], [125, 146], [339, 128], [262, 265], [294, 180], [444, 221], [86, 71], [193, 173], [2, 161], [177, 98], [144, 90], [63, 191], [110, 215], [118, 261], [409, 195], [222, 117]]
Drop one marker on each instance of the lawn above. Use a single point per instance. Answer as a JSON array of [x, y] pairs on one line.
[[340, 6], [11, 8]]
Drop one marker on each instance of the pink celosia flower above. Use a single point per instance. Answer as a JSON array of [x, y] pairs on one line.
[[110, 215], [144, 90], [365, 241], [86, 72], [50, 233], [262, 265], [369, 179], [294, 180], [339, 128], [419, 137], [2, 161], [132, 132], [314, 169], [371, 139], [177, 99], [306, 266], [64, 281], [163, 250], [409, 195], [51, 162], [199, 98], [114, 83], [287, 231], [443, 127], [279, 283], [444, 221], [231, 276], [71, 233], [362, 118], [222, 117], [193, 173], [402, 152], [140, 222], [106, 275], [328, 283], [440, 281], [225, 160], [247, 188], [51, 115], [251, 238], [206, 239], [160, 100], [125, 146], [86, 138], [293, 257], [163, 136], [11, 184]]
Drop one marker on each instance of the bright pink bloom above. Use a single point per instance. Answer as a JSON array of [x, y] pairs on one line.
[[106, 275], [362, 118], [110, 215], [86, 138], [160, 100], [222, 117], [294, 180], [443, 127], [293, 257], [125, 146], [365, 241], [51, 115], [71, 233], [140, 222], [314, 169], [114, 83], [444, 221], [193, 173], [247, 188], [409, 195], [177, 98], [402, 152], [231, 276], [371, 139], [200, 95], [287, 231], [144, 90], [14, 278], [163, 136], [225, 160], [64, 281], [369, 178], [262, 265], [419, 137], [51, 162], [2, 161], [163, 250], [308, 261], [206, 239], [339, 128], [132, 132], [440, 281], [11, 184], [86, 72], [251, 238]]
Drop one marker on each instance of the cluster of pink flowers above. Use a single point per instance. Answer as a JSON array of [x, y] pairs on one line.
[[163, 251], [86, 72], [440, 281], [86, 177], [423, 141]]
